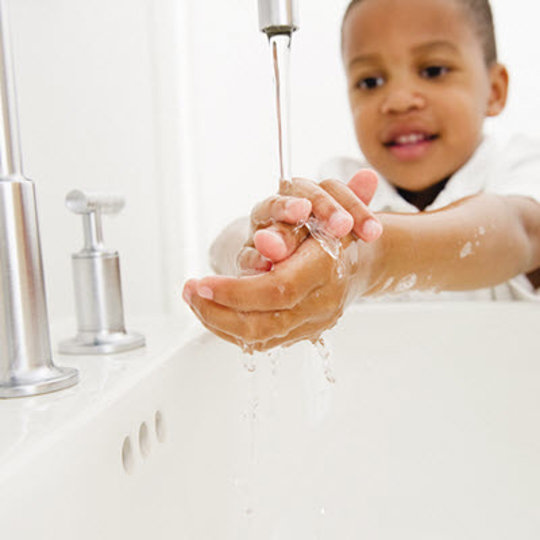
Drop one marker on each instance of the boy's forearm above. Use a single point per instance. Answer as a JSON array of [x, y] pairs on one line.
[[475, 243]]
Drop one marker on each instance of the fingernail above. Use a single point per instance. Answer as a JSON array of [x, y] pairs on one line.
[[297, 209], [339, 224], [186, 295], [205, 292], [278, 248], [371, 230]]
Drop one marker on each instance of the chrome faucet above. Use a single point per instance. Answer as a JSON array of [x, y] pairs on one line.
[[26, 365], [278, 16]]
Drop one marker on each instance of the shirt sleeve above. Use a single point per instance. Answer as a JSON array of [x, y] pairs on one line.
[[519, 172], [340, 168]]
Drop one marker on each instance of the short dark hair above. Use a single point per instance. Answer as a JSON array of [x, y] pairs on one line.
[[482, 16]]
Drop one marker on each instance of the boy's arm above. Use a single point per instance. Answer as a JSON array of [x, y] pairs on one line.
[[475, 243]]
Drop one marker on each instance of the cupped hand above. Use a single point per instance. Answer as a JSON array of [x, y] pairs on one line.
[[277, 223], [303, 296]]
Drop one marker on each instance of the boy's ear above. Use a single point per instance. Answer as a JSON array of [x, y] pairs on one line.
[[498, 76]]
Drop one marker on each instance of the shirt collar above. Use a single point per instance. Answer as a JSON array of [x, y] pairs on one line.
[[467, 181]]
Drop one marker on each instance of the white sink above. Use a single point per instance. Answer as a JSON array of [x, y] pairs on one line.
[[431, 431]]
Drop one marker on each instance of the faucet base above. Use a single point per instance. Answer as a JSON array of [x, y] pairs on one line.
[[26, 366], [39, 381], [102, 343]]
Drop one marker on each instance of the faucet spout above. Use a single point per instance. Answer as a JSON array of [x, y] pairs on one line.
[[26, 365], [278, 16]]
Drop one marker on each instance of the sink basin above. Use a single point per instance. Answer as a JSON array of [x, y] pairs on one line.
[[423, 423]]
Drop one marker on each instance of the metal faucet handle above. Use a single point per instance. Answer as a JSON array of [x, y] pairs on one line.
[[85, 202], [91, 205], [96, 277]]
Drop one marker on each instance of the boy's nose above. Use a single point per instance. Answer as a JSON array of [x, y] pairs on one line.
[[402, 100]]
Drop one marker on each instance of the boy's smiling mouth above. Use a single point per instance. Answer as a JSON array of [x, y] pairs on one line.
[[408, 145]]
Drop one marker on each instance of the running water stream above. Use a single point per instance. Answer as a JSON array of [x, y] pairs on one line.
[[246, 481], [280, 49]]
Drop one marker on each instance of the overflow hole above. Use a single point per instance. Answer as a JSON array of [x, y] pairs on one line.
[[159, 424], [144, 440], [128, 460]]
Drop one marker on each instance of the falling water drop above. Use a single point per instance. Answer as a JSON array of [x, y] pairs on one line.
[[249, 361], [326, 356]]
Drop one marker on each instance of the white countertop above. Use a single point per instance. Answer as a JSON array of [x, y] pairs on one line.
[[30, 424]]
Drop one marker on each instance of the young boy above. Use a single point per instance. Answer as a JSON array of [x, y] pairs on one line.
[[460, 211]]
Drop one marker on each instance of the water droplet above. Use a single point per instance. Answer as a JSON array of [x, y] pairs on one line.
[[328, 243], [325, 355], [406, 283], [249, 360], [466, 250], [251, 412], [340, 269], [329, 374], [387, 284], [274, 356]]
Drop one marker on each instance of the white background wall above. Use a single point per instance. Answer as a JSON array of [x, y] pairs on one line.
[[92, 113], [170, 103]]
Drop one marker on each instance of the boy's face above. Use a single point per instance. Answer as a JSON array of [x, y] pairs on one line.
[[419, 87]]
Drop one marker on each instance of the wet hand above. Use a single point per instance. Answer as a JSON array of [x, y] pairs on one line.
[[277, 223], [303, 296]]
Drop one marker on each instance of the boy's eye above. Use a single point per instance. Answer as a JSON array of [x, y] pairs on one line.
[[370, 83], [433, 72]]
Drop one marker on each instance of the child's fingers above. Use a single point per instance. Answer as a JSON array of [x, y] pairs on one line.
[[332, 216], [283, 288], [250, 261], [279, 241], [366, 226], [338, 208], [364, 185], [292, 210]]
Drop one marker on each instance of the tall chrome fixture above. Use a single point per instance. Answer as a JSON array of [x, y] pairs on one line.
[[26, 365]]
